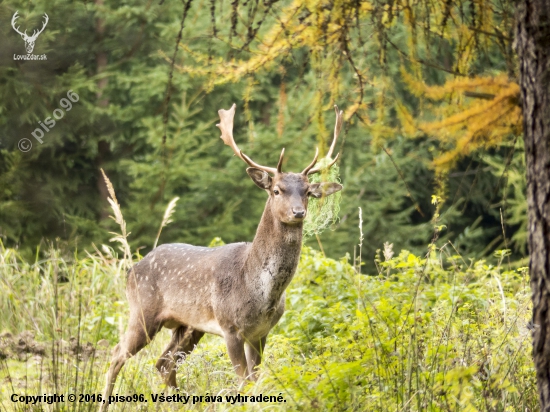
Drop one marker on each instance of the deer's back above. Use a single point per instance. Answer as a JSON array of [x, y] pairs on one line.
[[177, 283]]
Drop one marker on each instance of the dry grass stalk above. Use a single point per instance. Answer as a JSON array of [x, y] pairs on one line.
[[123, 236], [167, 217]]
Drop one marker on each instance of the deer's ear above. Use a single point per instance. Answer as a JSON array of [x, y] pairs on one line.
[[261, 178], [318, 190]]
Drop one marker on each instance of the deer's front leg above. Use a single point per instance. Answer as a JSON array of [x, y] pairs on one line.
[[235, 348], [254, 352]]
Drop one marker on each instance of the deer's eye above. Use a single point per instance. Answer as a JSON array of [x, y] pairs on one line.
[[276, 191]]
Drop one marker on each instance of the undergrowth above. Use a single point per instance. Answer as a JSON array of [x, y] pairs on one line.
[[428, 333]]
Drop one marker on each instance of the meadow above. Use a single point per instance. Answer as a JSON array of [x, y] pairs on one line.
[[425, 333]]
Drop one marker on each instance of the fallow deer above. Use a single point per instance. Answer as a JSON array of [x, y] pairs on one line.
[[236, 291]]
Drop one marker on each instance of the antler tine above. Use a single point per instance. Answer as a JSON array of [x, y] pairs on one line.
[[337, 129], [13, 19], [46, 20], [280, 164], [35, 33], [308, 168], [252, 163], [226, 127]]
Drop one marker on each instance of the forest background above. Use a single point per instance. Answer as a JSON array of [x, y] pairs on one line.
[[418, 120]]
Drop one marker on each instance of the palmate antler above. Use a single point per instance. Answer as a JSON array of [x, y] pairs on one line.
[[226, 127]]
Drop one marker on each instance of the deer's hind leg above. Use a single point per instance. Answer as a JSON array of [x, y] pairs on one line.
[[137, 336], [184, 339]]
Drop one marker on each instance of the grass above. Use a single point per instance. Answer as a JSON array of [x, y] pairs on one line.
[[431, 333]]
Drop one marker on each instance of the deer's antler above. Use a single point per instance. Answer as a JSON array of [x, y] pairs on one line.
[[37, 32], [226, 127], [337, 128], [13, 19], [307, 169]]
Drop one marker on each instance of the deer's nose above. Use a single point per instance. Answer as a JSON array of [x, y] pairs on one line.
[[299, 212]]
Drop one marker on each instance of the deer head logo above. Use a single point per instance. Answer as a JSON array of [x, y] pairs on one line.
[[29, 40]]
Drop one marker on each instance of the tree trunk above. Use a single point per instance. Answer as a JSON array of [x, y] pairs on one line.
[[533, 47]]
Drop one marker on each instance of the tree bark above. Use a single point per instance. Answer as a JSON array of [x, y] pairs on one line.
[[533, 47]]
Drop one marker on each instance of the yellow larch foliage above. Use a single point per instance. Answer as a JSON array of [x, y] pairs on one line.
[[476, 112], [405, 117], [320, 29], [340, 36]]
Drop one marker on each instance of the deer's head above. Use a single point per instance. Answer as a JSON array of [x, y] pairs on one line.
[[29, 40], [288, 192]]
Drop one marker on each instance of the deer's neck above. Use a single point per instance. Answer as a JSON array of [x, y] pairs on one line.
[[273, 257]]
